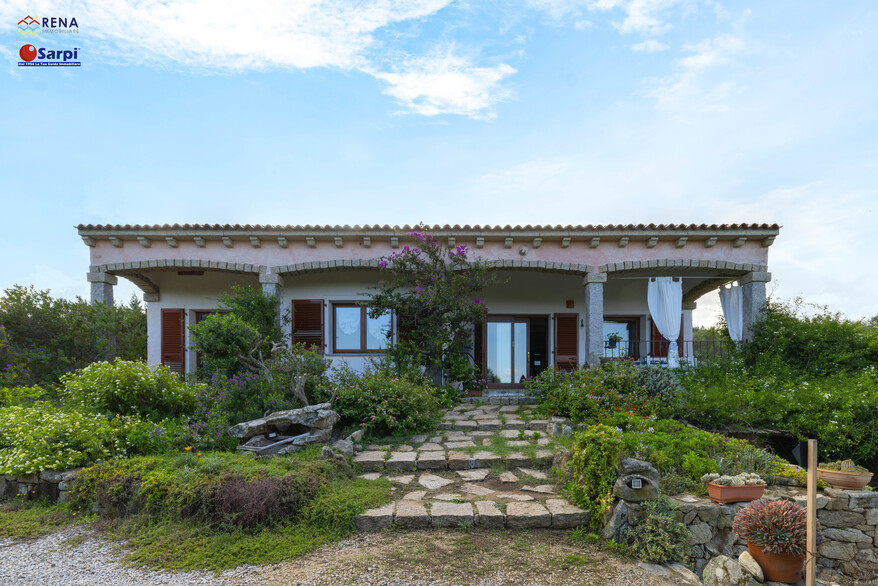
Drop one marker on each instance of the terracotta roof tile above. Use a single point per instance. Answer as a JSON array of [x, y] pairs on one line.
[[434, 228]]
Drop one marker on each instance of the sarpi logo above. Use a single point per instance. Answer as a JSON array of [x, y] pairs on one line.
[[48, 24], [41, 57]]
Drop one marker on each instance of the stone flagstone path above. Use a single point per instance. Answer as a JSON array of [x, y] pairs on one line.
[[488, 466]]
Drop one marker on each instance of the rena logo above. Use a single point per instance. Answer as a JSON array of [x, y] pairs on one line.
[[42, 57]]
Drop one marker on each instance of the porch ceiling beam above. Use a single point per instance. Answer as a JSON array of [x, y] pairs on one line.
[[595, 242], [282, 242], [311, 242], [227, 242], [537, 242], [144, 241], [623, 241], [172, 242], [199, 242], [565, 242], [710, 242], [255, 242], [704, 287], [117, 242], [651, 243]]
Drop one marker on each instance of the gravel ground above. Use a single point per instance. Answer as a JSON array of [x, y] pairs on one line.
[[76, 556]]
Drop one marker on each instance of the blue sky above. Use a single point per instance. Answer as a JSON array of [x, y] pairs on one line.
[[547, 111]]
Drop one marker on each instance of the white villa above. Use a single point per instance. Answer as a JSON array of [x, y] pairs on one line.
[[569, 295]]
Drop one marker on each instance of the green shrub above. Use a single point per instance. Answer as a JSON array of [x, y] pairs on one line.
[[42, 337], [130, 388], [591, 394], [595, 453], [382, 403], [840, 410], [222, 338], [20, 395], [43, 437], [661, 385], [659, 538]]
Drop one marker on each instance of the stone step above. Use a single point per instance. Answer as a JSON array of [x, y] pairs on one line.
[[378, 460], [412, 514]]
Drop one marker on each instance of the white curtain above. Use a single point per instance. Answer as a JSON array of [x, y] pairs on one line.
[[732, 301], [665, 299]]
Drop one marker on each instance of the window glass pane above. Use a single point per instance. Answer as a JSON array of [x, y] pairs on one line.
[[347, 328], [377, 330], [520, 352], [499, 352]]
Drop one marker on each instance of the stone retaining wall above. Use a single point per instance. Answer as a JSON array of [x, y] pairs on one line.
[[49, 484], [849, 519]]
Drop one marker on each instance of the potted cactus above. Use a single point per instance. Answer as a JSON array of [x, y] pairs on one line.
[[776, 534], [844, 474], [746, 486]]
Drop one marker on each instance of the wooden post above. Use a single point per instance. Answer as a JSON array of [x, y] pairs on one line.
[[811, 538]]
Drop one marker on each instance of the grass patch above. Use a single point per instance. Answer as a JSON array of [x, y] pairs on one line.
[[500, 445], [219, 511], [30, 519]]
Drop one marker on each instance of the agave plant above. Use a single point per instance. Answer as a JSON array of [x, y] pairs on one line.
[[775, 526]]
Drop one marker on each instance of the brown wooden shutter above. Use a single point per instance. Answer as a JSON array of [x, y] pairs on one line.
[[174, 340], [479, 348], [566, 341], [659, 346], [308, 323]]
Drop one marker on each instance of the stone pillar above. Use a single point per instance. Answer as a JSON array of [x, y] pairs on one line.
[[688, 346], [272, 285], [753, 299], [102, 287], [593, 283]]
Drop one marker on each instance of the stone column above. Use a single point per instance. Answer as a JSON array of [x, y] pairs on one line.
[[102, 287], [272, 285], [593, 283], [688, 346], [753, 299]]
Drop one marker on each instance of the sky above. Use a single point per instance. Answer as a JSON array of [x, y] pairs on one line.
[[402, 111]]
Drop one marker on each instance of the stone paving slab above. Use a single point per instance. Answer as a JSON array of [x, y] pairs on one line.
[[489, 515], [527, 515], [565, 515], [458, 461], [375, 519], [404, 479], [473, 474], [401, 461], [451, 514], [484, 459], [459, 445], [431, 447], [411, 515], [433, 482], [432, 461], [370, 461]]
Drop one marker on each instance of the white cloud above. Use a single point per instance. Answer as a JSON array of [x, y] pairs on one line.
[[227, 36], [650, 46], [443, 83], [583, 25], [641, 16], [696, 86], [233, 35]]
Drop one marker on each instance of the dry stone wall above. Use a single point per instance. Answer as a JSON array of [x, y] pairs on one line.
[[50, 485], [849, 519]]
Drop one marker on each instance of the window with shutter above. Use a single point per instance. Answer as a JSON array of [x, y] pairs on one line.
[[174, 340], [308, 323], [566, 341]]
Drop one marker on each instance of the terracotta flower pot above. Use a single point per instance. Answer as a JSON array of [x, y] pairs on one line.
[[778, 567], [722, 493], [843, 479]]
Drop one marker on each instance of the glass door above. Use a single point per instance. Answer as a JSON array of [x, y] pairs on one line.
[[506, 352]]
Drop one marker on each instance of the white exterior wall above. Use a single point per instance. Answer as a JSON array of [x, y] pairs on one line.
[[516, 292]]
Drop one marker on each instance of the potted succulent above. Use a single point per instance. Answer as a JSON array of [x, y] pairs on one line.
[[776, 534], [746, 486], [844, 474], [613, 339]]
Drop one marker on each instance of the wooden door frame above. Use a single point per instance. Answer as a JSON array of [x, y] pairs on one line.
[[510, 318]]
